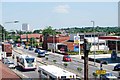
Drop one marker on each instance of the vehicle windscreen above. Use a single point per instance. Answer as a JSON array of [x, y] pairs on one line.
[[29, 60], [68, 56], [109, 74]]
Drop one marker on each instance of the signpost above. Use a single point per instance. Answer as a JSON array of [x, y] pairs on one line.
[[77, 41], [100, 71]]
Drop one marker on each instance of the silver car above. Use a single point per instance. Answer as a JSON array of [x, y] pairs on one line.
[[11, 64]]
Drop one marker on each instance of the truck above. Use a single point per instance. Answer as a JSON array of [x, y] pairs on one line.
[[6, 47]]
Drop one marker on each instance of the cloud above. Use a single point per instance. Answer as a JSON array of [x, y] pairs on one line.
[[62, 9]]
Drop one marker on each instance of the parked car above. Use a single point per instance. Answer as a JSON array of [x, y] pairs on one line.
[[31, 48], [47, 53], [108, 76], [5, 60], [37, 50], [41, 54], [117, 67], [67, 58], [114, 55], [25, 47], [11, 64], [18, 45]]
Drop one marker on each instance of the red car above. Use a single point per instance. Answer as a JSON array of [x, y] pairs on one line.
[[67, 58], [18, 45]]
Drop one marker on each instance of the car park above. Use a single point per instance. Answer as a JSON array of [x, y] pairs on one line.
[[117, 67], [108, 76], [67, 58]]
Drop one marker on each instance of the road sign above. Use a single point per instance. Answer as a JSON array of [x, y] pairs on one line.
[[100, 71], [76, 39]]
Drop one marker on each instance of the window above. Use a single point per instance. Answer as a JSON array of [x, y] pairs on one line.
[[22, 61], [51, 78], [29, 60]]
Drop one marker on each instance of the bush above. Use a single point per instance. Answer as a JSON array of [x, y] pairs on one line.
[[94, 74], [72, 53], [65, 64], [79, 69], [54, 61], [46, 58]]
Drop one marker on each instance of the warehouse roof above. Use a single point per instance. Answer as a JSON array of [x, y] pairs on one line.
[[6, 73]]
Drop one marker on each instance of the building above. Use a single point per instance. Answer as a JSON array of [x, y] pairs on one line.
[[89, 36], [7, 74], [25, 37], [55, 42]]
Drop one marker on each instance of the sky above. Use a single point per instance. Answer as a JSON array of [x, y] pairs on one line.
[[39, 15]]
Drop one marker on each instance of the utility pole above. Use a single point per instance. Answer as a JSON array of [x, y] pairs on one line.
[[2, 34], [86, 48]]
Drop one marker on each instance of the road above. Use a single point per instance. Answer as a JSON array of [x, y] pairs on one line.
[[72, 66]]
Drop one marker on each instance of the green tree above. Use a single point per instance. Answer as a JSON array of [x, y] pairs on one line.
[[46, 32], [32, 41]]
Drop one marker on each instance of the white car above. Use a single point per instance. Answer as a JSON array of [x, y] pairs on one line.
[[11, 64], [109, 76]]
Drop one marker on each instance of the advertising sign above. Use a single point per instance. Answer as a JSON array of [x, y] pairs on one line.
[[100, 71], [77, 39]]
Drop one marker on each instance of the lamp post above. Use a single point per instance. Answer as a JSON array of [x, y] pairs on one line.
[[93, 23], [4, 34]]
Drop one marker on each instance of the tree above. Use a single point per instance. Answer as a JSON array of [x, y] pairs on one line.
[[32, 41], [46, 32]]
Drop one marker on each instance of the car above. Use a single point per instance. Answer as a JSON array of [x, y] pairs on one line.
[[31, 48], [41, 54], [5, 60], [117, 67], [37, 50], [67, 58], [11, 64], [25, 47], [18, 45], [108, 76], [47, 53]]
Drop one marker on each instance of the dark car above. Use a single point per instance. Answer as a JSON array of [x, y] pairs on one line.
[[41, 54], [25, 47], [67, 58], [31, 48], [37, 50], [114, 55], [117, 67]]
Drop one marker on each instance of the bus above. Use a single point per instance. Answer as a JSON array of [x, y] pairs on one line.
[[26, 62], [51, 72]]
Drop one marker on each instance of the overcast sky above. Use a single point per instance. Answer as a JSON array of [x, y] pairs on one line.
[[59, 14]]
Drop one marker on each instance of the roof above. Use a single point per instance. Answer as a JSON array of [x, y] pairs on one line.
[[114, 38], [31, 36], [6, 73], [56, 71], [26, 56]]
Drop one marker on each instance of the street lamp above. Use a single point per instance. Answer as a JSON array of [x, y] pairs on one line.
[[93, 22], [4, 26]]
